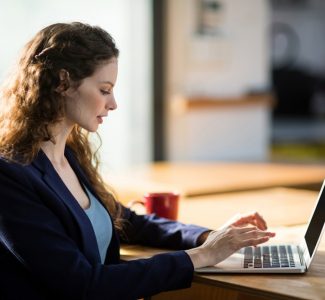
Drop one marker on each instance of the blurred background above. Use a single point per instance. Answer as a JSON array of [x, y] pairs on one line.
[[203, 80]]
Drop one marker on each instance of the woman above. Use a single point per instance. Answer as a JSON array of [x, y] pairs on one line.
[[60, 226]]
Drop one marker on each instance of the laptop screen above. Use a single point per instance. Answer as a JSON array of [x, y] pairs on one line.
[[316, 224]]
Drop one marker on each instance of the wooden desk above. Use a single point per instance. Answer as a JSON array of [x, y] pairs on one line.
[[279, 206], [256, 287], [195, 179], [295, 205], [249, 286]]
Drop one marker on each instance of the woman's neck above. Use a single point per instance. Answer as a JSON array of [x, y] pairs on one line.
[[55, 150]]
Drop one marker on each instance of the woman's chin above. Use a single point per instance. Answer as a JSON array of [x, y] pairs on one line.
[[91, 129]]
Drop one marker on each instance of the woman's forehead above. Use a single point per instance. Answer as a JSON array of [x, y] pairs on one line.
[[106, 72]]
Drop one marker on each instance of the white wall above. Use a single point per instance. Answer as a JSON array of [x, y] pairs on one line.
[[225, 66], [222, 133], [126, 133], [230, 63]]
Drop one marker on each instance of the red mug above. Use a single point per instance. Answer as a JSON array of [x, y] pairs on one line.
[[163, 204]]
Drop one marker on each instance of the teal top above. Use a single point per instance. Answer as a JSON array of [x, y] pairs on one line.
[[101, 222]]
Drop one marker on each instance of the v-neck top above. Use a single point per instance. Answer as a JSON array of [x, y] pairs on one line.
[[101, 223]]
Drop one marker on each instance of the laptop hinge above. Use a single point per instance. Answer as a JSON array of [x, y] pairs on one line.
[[301, 256]]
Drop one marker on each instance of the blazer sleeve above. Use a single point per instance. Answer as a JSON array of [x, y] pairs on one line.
[[37, 241], [151, 230]]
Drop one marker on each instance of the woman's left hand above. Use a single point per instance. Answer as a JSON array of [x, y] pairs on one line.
[[242, 220]]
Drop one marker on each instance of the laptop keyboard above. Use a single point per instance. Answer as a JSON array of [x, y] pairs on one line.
[[268, 257]]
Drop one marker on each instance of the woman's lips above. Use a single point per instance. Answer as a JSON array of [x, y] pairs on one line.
[[100, 119]]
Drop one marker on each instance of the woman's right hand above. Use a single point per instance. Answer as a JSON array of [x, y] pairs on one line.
[[222, 243]]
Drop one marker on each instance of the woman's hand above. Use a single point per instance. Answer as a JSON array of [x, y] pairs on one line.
[[242, 231], [241, 220]]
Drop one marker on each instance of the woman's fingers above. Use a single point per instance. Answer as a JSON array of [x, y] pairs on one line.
[[253, 219], [222, 243], [252, 232], [250, 236], [255, 242]]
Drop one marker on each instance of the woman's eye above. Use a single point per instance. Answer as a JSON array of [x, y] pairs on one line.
[[104, 92]]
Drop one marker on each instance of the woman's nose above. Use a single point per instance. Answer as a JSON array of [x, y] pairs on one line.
[[111, 104]]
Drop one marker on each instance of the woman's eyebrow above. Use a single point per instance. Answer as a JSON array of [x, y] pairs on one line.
[[107, 82]]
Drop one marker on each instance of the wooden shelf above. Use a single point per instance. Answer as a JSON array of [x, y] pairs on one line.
[[247, 100]]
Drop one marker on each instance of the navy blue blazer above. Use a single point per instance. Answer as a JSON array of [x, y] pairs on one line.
[[48, 248]]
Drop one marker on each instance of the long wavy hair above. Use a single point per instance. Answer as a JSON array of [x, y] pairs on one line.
[[31, 103]]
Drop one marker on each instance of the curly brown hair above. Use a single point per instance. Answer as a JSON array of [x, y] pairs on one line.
[[31, 103]]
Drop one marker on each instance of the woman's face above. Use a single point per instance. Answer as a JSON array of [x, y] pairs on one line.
[[88, 104]]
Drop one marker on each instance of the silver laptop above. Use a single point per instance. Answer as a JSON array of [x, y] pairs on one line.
[[278, 258]]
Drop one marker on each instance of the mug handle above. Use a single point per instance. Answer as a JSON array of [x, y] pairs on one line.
[[134, 202]]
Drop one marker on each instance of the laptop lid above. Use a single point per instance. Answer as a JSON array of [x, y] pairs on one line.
[[315, 229]]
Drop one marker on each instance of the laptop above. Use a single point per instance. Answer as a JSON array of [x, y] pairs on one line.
[[282, 258]]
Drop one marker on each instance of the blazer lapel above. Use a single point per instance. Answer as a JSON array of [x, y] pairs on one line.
[[53, 180]]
